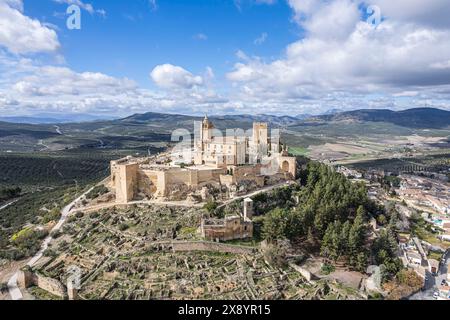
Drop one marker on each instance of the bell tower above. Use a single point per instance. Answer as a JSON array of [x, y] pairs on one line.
[[207, 130]]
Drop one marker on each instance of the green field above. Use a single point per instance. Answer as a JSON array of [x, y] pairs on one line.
[[48, 182], [298, 151]]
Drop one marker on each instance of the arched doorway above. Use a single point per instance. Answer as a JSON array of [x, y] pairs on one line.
[[285, 166]]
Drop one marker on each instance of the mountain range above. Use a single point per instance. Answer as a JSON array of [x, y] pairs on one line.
[[418, 118], [411, 118]]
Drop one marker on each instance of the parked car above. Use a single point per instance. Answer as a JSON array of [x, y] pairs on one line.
[[443, 282]]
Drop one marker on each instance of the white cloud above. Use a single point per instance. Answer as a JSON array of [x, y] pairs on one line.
[[15, 4], [200, 37], [339, 62], [58, 81], [239, 3], [342, 60], [28, 86], [261, 39], [168, 76], [83, 5], [153, 5], [21, 34], [433, 13]]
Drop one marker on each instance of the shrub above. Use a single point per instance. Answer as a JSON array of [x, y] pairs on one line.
[[327, 269], [50, 253], [53, 215], [79, 215], [3, 287], [56, 234], [211, 206], [97, 192]]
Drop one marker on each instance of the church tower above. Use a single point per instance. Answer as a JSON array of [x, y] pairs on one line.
[[207, 130]]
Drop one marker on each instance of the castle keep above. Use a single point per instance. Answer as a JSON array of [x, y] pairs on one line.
[[235, 164]]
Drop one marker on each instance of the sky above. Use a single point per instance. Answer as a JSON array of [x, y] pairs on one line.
[[282, 57]]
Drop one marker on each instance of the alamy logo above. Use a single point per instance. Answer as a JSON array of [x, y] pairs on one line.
[[375, 15], [74, 20], [236, 144]]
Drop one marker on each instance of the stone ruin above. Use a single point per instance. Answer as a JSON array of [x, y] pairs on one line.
[[235, 227]]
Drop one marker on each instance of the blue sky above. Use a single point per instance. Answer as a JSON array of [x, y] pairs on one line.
[[134, 37], [285, 57]]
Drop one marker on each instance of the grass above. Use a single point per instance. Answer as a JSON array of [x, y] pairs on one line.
[[298, 151], [434, 255], [41, 294], [188, 231], [49, 182], [327, 269], [244, 243]]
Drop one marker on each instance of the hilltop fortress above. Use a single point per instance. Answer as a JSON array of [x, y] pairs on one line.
[[212, 167]]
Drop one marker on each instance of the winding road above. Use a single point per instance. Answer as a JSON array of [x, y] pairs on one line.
[[434, 281], [13, 288], [8, 204]]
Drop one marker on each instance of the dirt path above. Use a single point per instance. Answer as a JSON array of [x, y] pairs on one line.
[[13, 288], [252, 194]]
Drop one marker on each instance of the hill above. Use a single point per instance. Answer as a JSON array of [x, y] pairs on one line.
[[418, 118], [153, 130]]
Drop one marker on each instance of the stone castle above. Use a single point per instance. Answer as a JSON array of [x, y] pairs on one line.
[[235, 163]]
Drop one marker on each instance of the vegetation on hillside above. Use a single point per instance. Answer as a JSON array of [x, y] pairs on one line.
[[46, 183], [97, 192], [331, 212], [9, 193]]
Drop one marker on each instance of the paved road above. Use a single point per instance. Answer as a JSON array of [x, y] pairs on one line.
[[14, 290], [8, 204], [434, 282]]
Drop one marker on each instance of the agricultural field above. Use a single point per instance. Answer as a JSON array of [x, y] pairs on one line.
[[439, 162], [47, 182], [347, 142]]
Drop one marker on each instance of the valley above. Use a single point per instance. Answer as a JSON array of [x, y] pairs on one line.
[[52, 164]]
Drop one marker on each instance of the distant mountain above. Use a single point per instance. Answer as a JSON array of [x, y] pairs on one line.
[[230, 121], [419, 118], [273, 120], [141, 130], [54, 118], [154, 116], [29, 120], [303, 116], [333, 111]]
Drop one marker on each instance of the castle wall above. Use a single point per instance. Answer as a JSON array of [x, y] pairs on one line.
[[27, 279], [246, 171], [125, 179], [177, 176], [227, 179], [210, 175], [130, 178], [51, 285], [233, 228], [210, 247], [149, 182], [288, 165]]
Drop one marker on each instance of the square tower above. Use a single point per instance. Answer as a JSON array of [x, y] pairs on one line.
[[259, 142], [260, 133]]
